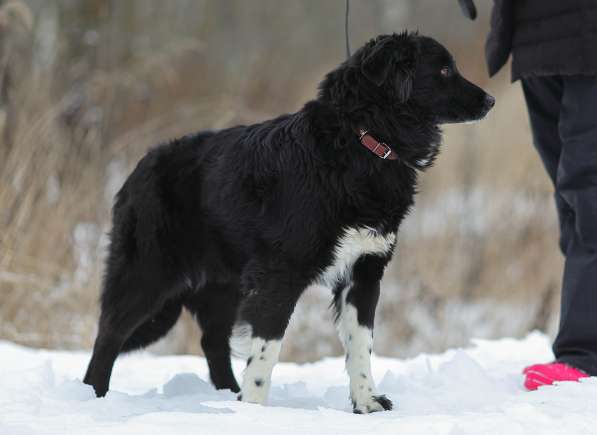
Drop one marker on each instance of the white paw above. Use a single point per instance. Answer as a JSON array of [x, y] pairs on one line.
[[369, 404], [258, 373], [255, 393]]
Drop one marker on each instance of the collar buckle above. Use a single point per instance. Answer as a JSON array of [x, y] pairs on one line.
[[387, 152]]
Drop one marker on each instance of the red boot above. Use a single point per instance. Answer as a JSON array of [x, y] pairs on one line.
[[546, 374]]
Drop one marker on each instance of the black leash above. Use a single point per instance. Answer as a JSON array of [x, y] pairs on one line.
[[468, 9], [346, 28]]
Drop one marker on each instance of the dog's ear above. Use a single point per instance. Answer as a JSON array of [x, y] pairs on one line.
[[406, 52], [404, 84], [392, 57], [377, 64]]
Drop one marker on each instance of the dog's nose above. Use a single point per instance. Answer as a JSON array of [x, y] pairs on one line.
[[489, 101]]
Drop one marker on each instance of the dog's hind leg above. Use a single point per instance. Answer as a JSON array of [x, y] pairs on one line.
[[129, 300], [268, 302], [155, 327], [355, 304], [215, 307]]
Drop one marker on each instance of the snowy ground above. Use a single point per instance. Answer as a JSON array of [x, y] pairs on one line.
[[471, 391]]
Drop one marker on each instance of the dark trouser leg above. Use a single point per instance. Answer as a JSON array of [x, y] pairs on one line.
[[561, 111], [544, 102], [576, 183]]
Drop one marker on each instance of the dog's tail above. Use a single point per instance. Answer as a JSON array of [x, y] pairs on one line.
[[154, 328]]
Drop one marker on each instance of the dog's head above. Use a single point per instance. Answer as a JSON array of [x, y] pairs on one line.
[[417, 70]]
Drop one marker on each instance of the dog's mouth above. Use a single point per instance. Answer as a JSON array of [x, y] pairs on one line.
[[473, 119], [462, 119], [463, 114]]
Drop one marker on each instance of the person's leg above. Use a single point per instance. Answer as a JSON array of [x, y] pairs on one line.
[[543, 96], [576, 183]]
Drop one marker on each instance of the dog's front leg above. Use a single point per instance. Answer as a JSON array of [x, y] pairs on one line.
[[355, 304], [264, 314], [258, 373]]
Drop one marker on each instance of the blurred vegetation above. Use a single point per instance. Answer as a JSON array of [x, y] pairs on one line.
[[86, 87]]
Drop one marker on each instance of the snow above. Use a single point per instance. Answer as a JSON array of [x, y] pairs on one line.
[[466, 391]]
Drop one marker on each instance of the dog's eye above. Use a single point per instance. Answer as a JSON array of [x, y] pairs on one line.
[[446, 71]]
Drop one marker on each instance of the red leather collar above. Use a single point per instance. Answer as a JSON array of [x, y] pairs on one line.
[[380, 149]]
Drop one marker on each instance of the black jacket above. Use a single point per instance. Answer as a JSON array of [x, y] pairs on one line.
[[545, 37]]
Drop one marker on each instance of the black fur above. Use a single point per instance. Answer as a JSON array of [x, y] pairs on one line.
[[235, 224]]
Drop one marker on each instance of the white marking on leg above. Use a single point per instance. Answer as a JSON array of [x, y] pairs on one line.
[[353, 243], [358, 344], [258, 374], [357, 340], [240, 340]]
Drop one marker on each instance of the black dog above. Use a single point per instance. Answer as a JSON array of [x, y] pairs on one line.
[[235, 224]]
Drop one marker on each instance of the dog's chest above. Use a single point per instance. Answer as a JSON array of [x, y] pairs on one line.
[[352, 244]]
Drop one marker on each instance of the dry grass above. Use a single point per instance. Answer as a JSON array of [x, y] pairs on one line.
[[477, 256]]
